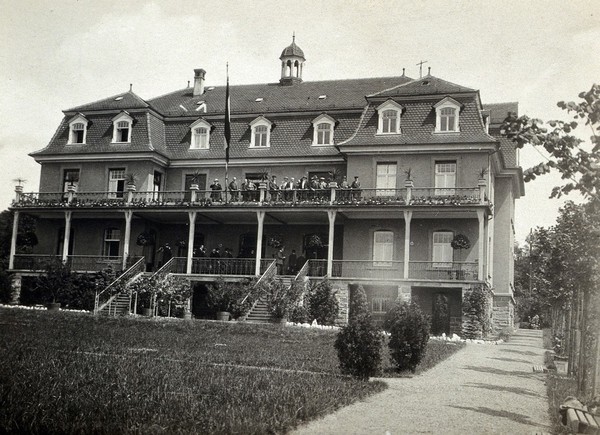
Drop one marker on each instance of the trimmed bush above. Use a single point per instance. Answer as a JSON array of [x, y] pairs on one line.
[[476, 309], [358, 344], [322, 303], [409, 333]]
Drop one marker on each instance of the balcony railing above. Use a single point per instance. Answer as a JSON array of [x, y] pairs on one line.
[[219, 266], [377, 270], [79, 263], [263, 197], [465, 271]]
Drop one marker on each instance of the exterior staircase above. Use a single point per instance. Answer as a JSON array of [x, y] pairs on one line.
[[119, 305], [260, 312]]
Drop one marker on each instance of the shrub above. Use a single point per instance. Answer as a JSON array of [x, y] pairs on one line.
[[358, 344], [476, 311], [299, 314], [282, 299], [409, 333], [322, 303]]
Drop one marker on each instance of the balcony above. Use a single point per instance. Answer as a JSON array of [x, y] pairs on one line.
[[78, 263], [333, 196]]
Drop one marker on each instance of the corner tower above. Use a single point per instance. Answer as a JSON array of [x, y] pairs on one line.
[[292, 62]]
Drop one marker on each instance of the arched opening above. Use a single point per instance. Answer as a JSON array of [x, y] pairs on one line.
[[296, 69], [288, 68]]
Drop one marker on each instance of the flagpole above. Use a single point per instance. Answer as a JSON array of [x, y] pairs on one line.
[[227, 132]]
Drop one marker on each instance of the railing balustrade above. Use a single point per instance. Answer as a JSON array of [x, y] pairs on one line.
[[103, 298], [316, 268], [223, 266], [444, 196], [90, 263], [297, 197], [34, 262], [378, 270], [464, 271]]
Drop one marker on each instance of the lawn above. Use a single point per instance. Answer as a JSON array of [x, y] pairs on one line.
[[65, 372]]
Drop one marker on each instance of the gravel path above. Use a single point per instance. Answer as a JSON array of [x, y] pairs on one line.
[[483, 389]]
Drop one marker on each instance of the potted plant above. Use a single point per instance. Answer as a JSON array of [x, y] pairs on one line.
[[147, 291], [482, 173], [275, 241], [460, 242], [408, 181], [220, 299], [56, 281], [195, 179], [130, 180], [145, 238]]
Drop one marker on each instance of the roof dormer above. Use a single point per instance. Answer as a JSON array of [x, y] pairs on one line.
[[261, 132], [200, 135], [78, 129], [122, 124], [323, 128], [389, 117], [447, 116]]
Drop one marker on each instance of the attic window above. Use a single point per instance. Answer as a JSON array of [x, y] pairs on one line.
[[119, 98], [322, 97], [78, 130], [259, 99], [425, 83]]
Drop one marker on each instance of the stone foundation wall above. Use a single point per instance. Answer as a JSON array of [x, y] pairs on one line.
[[503, 313], [343, 297], [15, 289]]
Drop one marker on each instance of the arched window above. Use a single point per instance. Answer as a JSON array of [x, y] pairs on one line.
[[389, 118], [447, 116], [323, 130], [296, 69], [78, 130], [122, 128], [261, 133]]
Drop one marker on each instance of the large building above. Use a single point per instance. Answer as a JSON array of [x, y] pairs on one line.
[[126, 178]]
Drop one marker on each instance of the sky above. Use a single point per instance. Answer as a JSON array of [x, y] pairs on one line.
[[62, 53]]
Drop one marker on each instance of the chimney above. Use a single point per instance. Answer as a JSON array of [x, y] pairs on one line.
[[199, 81]]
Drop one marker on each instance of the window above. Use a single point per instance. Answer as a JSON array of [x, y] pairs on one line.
[[442, 251], [200, 135], [261, 133], [122, 128], [447, 116], [112, 242], [389, 118], [383, 248], [386, 179], [323, 127], [78, 130], [116, 183], [445, 178], [380, 305]]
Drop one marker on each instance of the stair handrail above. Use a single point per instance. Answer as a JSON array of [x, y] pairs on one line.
[[303, 272], [165, 268], [269, 273], [134, 270]]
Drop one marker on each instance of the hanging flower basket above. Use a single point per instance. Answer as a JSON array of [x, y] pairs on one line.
[[146, 238], [314, 241], [181, 243], [275, 241], [460, 241]]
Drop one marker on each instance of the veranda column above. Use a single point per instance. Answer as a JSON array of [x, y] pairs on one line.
[[407, 219], [128, 216], [331, 215], [192, 231], [481, 244], [13, 241], [67, 236], [260, 215]]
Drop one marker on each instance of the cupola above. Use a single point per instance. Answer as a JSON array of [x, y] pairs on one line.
[[292, 61]]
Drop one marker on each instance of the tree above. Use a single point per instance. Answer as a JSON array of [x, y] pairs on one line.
[[580, 167]]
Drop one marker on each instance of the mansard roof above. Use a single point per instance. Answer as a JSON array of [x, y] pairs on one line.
[[304, 96], [428, 85], [498, 113], [126, 100]]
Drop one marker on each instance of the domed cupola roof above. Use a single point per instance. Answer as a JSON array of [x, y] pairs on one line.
[[292, 50]]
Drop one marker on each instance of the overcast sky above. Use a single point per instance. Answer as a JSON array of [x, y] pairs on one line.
[[62, 53]]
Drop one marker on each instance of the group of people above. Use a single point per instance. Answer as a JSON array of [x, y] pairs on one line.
[[294, 262], [317, 188]]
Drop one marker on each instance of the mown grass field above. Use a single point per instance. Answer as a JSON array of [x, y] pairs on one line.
[[74, 373]]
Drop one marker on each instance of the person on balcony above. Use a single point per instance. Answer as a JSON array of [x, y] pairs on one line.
[[283, 188], [279, 259], [216, 190], [314, 187], [302, 186], [274, 188], [344, 187], [355, 186], [292, 260], [322, 188], [234, 190], [248, 190]]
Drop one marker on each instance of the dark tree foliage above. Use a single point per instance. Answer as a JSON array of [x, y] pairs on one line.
[[409, 332], [322, 302], [358, 344]]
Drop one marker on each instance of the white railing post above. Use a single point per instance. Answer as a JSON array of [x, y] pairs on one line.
[[19, 192], [194, 193], [126, 241], [407, 219], [260, 215], [70, 193], [191, 233], [480, 244], [332, 187], [482, 185], [13, 240], [408, 184], [331, 215], [67, 236]]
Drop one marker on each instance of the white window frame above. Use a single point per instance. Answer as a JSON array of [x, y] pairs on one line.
[[118, 122], [442, 254], [76, 121], [195, 142], [383, 250], [380, 304], [67, 183], [111, 236], [444, 177], [382, 125], [386, 178], [447, 103], [323, 120], [114, 176], [261, 121]]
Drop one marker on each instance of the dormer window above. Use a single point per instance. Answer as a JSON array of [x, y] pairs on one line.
[[447, 116], [261, 133], [78, 130], [200, 135], [323, 127], [122, 128], [389, 118]]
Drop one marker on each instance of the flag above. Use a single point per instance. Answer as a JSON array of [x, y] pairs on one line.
[[227, 121]]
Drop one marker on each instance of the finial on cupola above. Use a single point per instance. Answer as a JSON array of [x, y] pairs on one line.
[[428, 70], [403, 72], [130, 87]]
